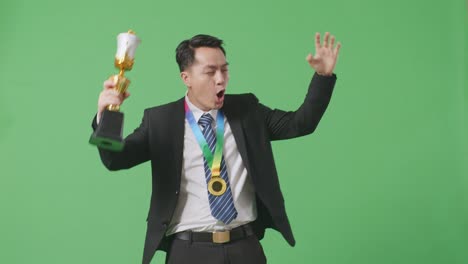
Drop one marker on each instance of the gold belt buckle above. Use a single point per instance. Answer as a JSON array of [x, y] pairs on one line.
[[221, 237]]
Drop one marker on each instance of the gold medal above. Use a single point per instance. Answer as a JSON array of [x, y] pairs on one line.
[[217, 186]]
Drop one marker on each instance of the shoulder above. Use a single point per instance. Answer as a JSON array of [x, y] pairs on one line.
[[244, 100], [240, 105], [165, 108]]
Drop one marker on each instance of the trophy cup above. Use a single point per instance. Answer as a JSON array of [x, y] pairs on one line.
[[108, 134]]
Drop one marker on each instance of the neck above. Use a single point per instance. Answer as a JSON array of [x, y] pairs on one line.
[[195, 103]]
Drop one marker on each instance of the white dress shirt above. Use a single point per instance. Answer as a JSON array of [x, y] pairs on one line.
[[193, 208]]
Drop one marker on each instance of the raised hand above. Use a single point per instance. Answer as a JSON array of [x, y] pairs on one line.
[[109, 96], [326, 55]]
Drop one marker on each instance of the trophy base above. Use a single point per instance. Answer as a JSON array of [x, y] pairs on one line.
[[108, 134]]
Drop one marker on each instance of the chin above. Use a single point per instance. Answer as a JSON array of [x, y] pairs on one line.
[[218, 106]]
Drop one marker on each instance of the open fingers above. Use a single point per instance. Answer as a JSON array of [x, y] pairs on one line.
[[337, 49], [317, 40], [310, 58], [325, 39]]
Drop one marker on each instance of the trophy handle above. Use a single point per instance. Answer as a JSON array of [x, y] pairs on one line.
[[121, 85]]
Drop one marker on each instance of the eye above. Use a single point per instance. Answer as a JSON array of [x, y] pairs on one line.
[[210, 72]]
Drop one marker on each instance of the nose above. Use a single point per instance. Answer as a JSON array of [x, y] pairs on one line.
[[220, 78]]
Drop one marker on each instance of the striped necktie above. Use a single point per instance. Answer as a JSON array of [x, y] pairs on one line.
[[222, 207]]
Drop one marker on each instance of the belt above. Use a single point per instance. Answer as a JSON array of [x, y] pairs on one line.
[[218, 237]]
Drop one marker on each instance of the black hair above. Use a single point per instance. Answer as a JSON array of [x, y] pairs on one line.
[[185, 51]]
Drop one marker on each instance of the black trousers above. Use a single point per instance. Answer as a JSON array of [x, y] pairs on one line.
[[243, 251]]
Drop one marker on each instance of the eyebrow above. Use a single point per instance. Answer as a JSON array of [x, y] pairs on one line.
[[215, 67]]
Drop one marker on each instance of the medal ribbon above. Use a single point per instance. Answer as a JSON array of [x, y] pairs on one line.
[[213, 161]]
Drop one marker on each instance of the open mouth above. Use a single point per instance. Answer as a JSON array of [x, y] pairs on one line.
[[220, 94]]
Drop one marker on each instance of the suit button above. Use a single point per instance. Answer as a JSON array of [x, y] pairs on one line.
[[177, 192], [164, 225]]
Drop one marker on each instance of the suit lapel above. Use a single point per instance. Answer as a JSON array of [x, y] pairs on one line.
[[178, 123], [233, 116]]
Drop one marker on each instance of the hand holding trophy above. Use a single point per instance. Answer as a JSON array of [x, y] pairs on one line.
[[108, 134]]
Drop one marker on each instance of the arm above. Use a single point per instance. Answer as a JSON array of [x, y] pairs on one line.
[[303, 121], [136, 148], [135, 151]]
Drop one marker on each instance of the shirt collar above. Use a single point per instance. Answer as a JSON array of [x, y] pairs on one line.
[[197, 112]]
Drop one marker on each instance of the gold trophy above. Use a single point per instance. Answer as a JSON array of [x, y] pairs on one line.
[[108, 134]]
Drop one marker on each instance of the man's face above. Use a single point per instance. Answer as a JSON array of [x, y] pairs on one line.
[[207, 78]]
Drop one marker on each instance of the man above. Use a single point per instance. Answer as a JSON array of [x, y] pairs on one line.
[[215, 187]]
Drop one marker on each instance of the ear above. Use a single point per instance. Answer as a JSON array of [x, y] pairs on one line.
[[185, 76]]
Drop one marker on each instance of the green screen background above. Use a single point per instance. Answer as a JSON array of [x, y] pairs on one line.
[[383, 179]]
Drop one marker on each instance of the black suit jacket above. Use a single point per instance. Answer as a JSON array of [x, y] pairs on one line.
[[160, 139]]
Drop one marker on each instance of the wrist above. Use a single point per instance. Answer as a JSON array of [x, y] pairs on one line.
[[325, 74]]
